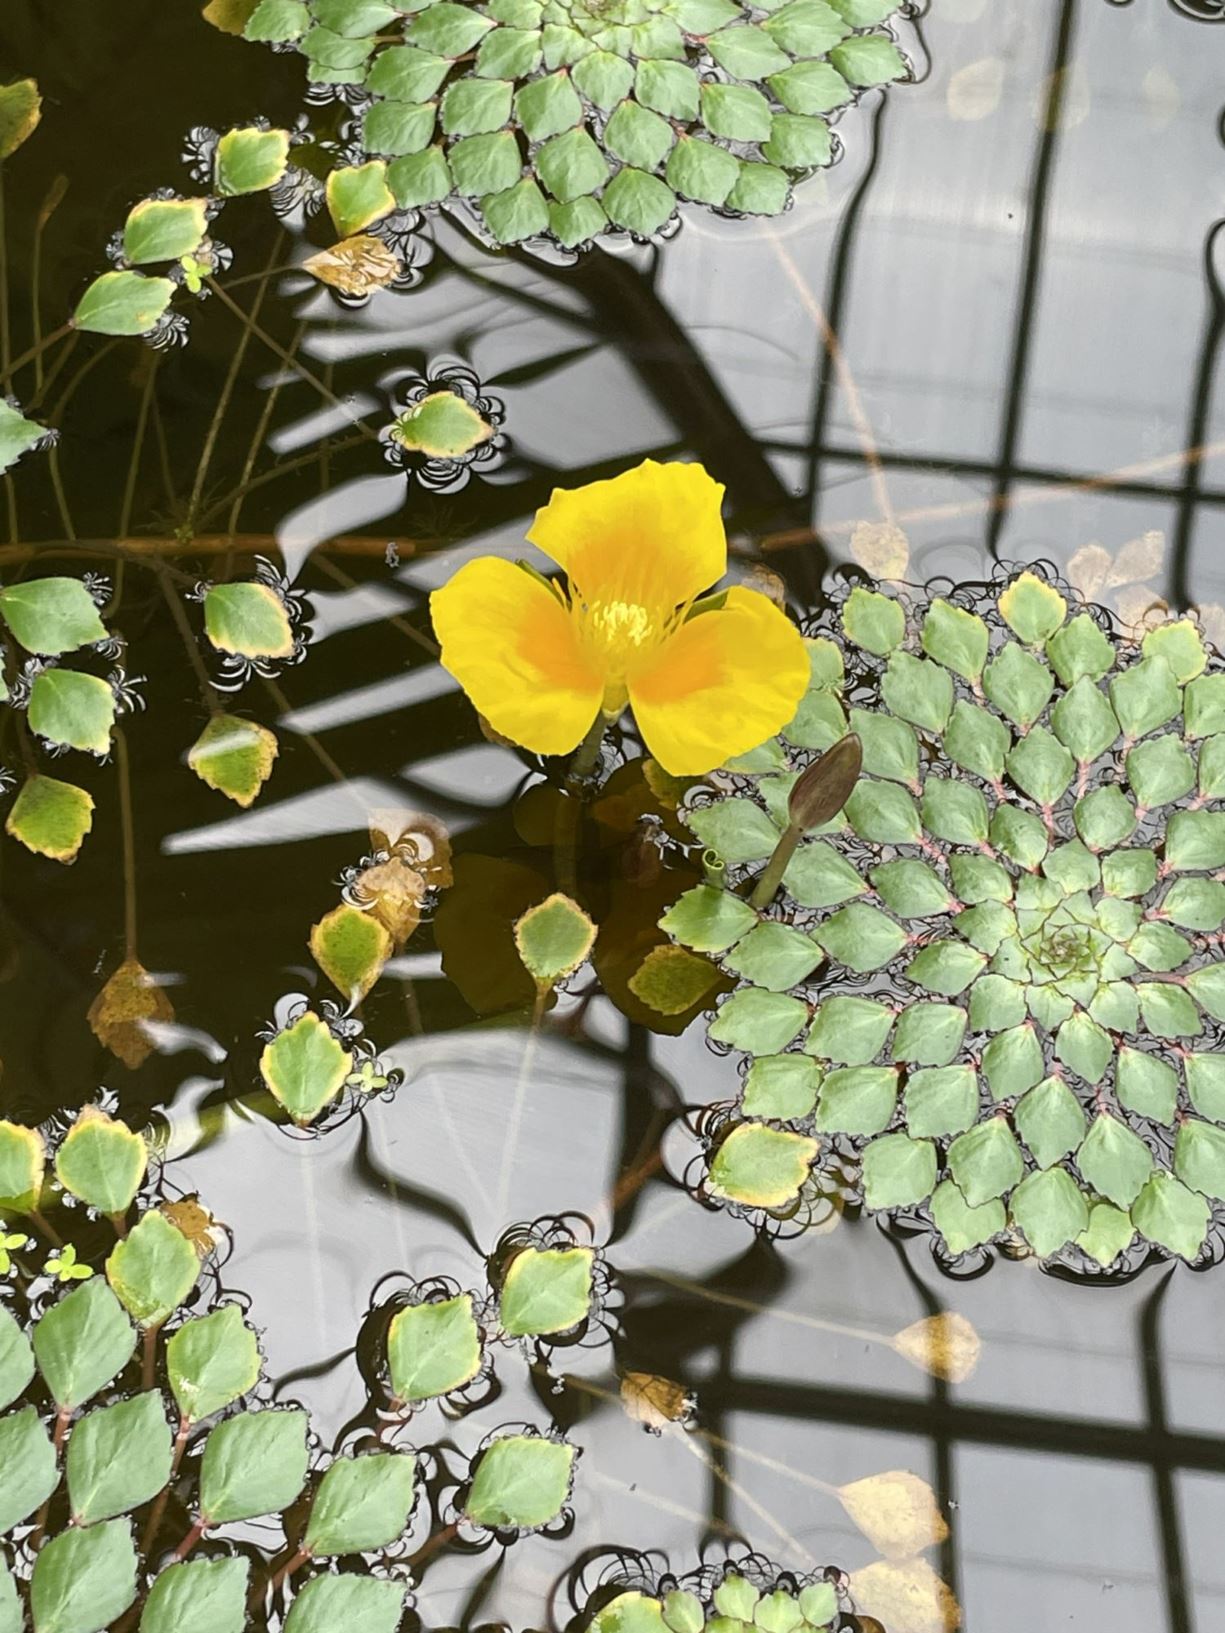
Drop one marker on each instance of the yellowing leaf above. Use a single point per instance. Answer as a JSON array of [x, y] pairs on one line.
[[350, 947], [120, 1014], [553, 939], [20, 110], [654, 1401], [881, 549], [392, 892], [356, 265], [672, 980], [230, 16], [907, 1597], [51, 818], [234, 756], [896, 1511], [946, 1345]]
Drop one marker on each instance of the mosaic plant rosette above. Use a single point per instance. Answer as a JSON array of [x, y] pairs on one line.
[[995, 979], [568, 117]]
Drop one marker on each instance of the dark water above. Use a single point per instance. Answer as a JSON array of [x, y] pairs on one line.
[[1024, 276]]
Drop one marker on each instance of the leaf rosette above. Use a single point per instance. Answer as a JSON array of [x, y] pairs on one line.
[[993, 979]]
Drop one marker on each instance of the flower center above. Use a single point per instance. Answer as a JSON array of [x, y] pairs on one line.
[[614, 634]]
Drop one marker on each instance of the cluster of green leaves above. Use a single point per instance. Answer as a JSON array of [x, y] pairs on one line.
[[572, 117], [1028, 874], [735, 1606]]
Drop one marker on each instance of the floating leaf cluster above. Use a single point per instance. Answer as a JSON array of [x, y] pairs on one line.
[[568, 118], [994, 978]]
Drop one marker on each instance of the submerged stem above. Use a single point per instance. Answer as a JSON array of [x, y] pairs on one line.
[[129, 847]]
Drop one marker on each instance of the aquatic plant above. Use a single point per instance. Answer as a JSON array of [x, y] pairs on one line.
[[993, 978], [570, 118], [705, 674], [447, 426]]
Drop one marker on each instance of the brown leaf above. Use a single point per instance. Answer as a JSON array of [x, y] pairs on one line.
[[768, 583], [355, 266], [946, 1345], [881, 549], [654, 1401], [230, 16], [896, 1511], [194, 1221], [393, 892], [118, 1015], [907, 1596], [1088, 570], [418, 839]]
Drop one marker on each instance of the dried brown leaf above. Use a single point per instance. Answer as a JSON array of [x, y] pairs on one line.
[[654, 1401], [121, 1011], [393, 892], [193, 1220], [881, 548], [1088, 570], [417, 839], [907, 1596], [946, 1345], [896, 1511], [355, 266], [1137, 561]]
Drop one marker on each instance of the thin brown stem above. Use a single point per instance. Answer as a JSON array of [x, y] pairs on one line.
[[50, 204], [45, 1228], [34, 354], [207, 695], [257, 442], [129, 844], [5, 339], [148, 1358], [190, 1540]]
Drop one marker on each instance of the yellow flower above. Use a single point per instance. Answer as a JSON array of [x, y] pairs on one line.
[[542, 662]]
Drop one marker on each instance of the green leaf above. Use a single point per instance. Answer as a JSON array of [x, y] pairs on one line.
[[639, 203], [1050, 1209], [883, 813], [234, 756], [433, 1348], [929, 1034], [553, 939], [604, 79], [890, 748], [1084, 721], [849, 1031], [20, 112], [571, 165], [205, 1595], [164, 229], [546, 1291], [954, 811], [1129, 873], [1196, 904], [355, 18], [275, 21], [397, 128], [1084, 1047], [857, 1100], [153, 1269], [761, 1167], [898, 1171], [819, 722], [1171, 1215], [518, 213], [17, 435], [82, 1343], [1109, 1231], [996, 1003], [424, 178], [16, 1361], [84, 1579], [1032, 608], [212, 1361], [1114, 1161], [522, 1482], [72, 709], [774, 956], [638, 136], [1073, 867], [11, 1613], [1205, 1075], [576, 223], [918, 690], [1018, 684], [1050, 1121], [700, 170], [471, 107], [1199, 1157], [817, 876], [708, 919], [911, 889], [249, 160], [737, 830], [781, 1088], [1078, 649], [945, 967], [1204, 708], [1013, 1062], [1168, 1012], [1104, 818], [872, 59], [442, 425], [860, 937], [402, 73], [980, 878], [122, 303], [333, 52], [305, 1068], [1160, 770], [759, 1023], [1207, 987], [873, 621], [448, 29], [1146, 1084], [738, 113], [985, 1161], [253, 1465], [1158, 947], [28, 1468], [23, 1158], [941, 1100], [51, 615], [1145, 696], [1195, 839], [332, 1604], [357, 196], [797, 141], [670, 88], [1179, 644], [118, 1458], [747, 52], [546, 106], [362, 1504], [955, 638], [102, 1161], [1041, 766], [247, 619], [810, 87], [962, 1226]]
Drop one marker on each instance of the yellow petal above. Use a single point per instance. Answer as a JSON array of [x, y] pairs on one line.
[[721, 684], [511, 645], [652, 537]]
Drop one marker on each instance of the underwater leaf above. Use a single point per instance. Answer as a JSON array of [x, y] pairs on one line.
[[553, 939], [84, 1579], [880, 548], [20, 111], [253, 1465], [761, 1167], [17, 435], [896, 1511], [521, 1482], [362, 1504], [102, 1161], [671, 980], [234, 756], [358, 196], [392, 893], [350, 947], [118, 1458], [119, 1015], [16, 1360], [653, 1401], [205, 1595], [82, 1343], [212, 1361], [249, 160], [335, 1604], [51, 818], [164, 229], [546, 1291], [72, 710], [305, 1067], [29, 1472], [905, 1596], [433, 1348], [50, 616], [356, 266], [945, 1345], [247, 619], [153, 1269], [23, 1158], [122, 303]]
